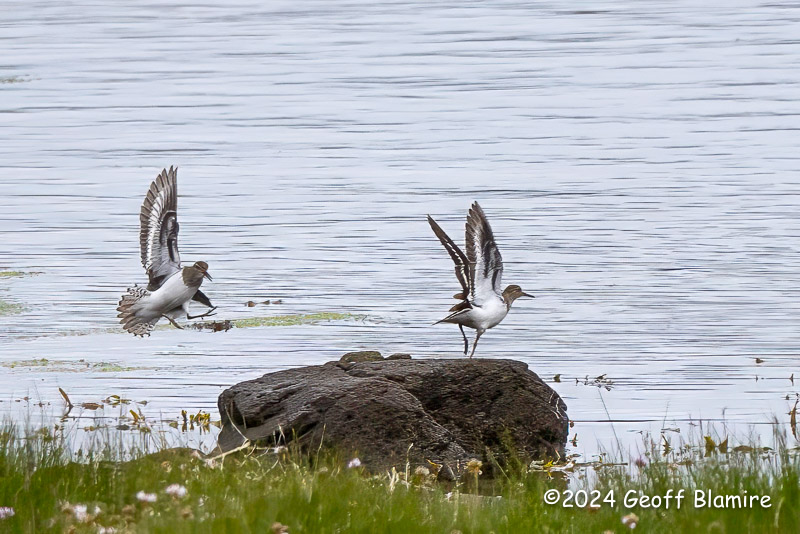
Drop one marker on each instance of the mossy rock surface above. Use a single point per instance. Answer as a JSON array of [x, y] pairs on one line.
[[362, 356]]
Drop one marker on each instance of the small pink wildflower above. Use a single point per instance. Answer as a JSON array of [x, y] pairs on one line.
[[80, 512], [175, 490], [630, 520], [146, 497]]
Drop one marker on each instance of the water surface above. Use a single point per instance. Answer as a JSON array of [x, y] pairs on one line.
[[639, 164]]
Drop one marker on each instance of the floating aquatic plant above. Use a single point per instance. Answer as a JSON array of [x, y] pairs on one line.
[[72, 366], [13, 79], [10, 308], [294, 320], [17, 274]]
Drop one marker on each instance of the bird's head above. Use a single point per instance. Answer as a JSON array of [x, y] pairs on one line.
[[202, 268], [512, 293]]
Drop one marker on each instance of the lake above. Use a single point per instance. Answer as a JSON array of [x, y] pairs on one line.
[[639, 164]]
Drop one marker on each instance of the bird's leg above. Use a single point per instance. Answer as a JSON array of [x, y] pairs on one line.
[[170, 319], [209, 313], [466, 343], [475, 343]]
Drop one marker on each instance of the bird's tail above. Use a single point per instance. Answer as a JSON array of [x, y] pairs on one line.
[[129, 304], [460, 308]]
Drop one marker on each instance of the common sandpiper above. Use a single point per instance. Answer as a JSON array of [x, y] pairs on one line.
[[483, 304], [170, 287]]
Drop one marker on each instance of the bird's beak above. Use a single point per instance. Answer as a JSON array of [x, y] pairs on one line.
[[527, 295], [207, 275]]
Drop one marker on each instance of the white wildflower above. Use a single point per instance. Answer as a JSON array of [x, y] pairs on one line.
[[175, 490], [422, 471], [146, 497], [80, 512], [6, 512], [106, 530], [355, 462], [630, 520]]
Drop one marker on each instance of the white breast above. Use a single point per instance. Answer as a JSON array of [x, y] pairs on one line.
[[486, 316], [172, 294], [496, 311]]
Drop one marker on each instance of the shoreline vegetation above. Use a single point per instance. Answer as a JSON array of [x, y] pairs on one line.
[[56, 479]]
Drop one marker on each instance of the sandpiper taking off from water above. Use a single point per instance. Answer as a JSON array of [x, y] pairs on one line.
[[483, 304], [171, 287]]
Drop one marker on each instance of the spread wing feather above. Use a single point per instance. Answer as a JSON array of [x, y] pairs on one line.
[[485, 261], [158, 235], [459, 258]]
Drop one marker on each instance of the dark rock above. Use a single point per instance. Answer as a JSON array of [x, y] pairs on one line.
[[399, 356], [450, 410], [362, 356]]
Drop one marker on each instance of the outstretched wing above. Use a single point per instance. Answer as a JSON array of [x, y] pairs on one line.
[[486, 263], [158, 235], [459, 258]]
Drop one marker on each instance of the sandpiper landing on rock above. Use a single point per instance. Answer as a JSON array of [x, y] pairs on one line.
[[483, 304], [171, 287]]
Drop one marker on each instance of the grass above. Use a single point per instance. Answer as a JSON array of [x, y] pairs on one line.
[[52, 489]]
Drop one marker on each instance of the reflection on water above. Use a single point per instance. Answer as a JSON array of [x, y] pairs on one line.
[[638, 163]]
